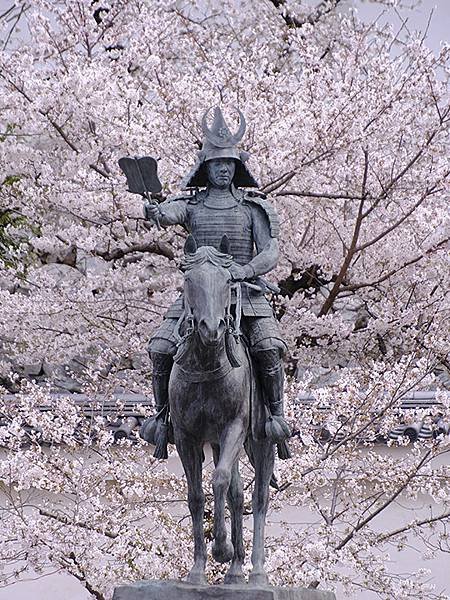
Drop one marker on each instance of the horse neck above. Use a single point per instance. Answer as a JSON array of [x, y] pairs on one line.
[[203, 358]]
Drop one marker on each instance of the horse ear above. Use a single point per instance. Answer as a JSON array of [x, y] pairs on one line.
[[190, 246], [225, 246]]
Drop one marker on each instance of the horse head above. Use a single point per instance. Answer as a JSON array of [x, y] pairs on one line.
[[207, 288]]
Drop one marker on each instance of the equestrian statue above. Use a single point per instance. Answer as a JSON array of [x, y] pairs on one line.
[[217, 356]]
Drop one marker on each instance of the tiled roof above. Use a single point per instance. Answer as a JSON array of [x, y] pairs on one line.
[[124, 416], [416, 430]]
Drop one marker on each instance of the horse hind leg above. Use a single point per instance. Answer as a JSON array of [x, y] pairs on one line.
[[264, 457], [235, 499], [191, 457]]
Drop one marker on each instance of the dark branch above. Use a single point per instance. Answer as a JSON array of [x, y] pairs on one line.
[[307, 194], [322, 9], [152, 247]]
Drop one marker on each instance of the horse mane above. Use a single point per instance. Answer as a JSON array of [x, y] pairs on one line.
[[206, 254]]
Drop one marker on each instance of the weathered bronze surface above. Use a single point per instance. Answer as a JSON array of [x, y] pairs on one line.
[[217, 356]]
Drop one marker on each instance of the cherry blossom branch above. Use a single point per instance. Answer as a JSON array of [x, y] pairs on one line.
[[323, 8], [386, 503], [416, 523], [55, 126], [333, 447], [408, 165], [397, 223], [357, 286], [270, 187], [81, 576], [353, 245], [307, 194], [15, 18]]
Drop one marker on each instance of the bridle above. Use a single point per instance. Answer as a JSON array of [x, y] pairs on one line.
[[233, 333]]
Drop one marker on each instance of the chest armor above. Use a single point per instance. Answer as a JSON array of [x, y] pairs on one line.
[[208, 225]]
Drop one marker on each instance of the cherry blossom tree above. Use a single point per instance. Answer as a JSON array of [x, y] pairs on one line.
[[349, 135]]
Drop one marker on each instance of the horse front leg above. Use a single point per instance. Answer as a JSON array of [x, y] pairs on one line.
[[191, 456], [264, 455], [235, 498], [230, 447]]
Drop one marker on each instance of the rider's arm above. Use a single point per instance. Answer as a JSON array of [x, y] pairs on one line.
[[266, 246], [170, 212]]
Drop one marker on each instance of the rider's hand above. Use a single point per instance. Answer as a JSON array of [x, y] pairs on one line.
[[152, 212], [239, 272]]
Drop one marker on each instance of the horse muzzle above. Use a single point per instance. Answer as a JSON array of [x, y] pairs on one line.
[[211, 331]]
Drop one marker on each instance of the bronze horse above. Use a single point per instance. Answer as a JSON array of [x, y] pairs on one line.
[[212, 400]]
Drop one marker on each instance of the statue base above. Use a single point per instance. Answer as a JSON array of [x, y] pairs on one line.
[[178, 590]]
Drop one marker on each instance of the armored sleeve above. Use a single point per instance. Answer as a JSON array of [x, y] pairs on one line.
[[265, 228], [174, 211]]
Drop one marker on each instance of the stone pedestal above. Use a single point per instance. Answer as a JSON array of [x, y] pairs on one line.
[[177, 590]]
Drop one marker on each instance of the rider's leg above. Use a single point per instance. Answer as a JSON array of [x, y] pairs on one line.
[[267, 348], [162, 348], [156, 430], [162, 366], [270, 368]]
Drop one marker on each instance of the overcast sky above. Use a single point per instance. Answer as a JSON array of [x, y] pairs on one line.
[[417, 18]]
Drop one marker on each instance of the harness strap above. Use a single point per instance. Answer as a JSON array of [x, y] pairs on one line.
[[202, 376], [237, 323]]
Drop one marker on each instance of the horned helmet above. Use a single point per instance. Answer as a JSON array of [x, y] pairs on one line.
[[219, 142]]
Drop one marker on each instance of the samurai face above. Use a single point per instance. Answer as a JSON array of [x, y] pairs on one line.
[[221, 172]]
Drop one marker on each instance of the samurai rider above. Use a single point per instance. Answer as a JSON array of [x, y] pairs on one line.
[[224, 205]]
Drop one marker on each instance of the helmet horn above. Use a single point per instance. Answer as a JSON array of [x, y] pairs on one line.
[[221, 137]]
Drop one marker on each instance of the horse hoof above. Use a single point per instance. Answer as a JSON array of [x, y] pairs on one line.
[[196, 578], [258, 579], [224, 552], [231, 578]]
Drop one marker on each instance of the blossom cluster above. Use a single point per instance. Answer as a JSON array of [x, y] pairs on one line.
[[348, 132]]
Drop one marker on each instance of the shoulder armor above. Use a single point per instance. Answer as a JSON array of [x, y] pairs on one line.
[[260, 200], [189, 198], [178, 197], [197, 197]]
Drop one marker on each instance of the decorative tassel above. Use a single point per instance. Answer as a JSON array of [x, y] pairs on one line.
[[147, 431], [162, 438], [276, 428], [284, 451], [158, 431]]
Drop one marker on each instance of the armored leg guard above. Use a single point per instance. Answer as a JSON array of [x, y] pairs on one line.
[[162, 366], [272, 378], [155, 430]]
